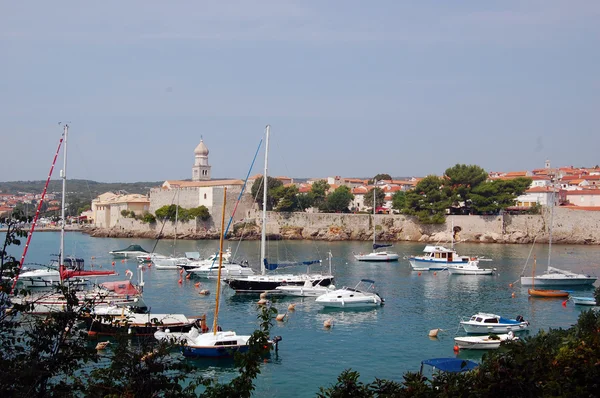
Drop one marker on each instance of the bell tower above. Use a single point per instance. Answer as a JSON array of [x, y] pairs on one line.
[[201, 169]]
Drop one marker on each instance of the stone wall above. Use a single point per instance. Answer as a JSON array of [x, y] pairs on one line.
[[569, 226]]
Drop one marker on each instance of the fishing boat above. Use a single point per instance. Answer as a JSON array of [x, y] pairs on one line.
[[199, 341], [533, 292], [556, 276], [469, 268], [490, 342], [66, 269], [131, 251], [483, 323], [360, 296], [583, 300], [263, 282], [377, 255]]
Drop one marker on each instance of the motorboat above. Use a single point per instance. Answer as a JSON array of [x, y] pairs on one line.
[[490, 342], [558, 277], [483, 323], [469, 268], [172, 262], [583, 300], [112, 320], [228, 270], [437, 258], [265, 282], [210, 260], [360, 296], [131, 251], [307, 290]]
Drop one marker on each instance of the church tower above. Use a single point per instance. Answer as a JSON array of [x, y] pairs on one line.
[[201, 169]]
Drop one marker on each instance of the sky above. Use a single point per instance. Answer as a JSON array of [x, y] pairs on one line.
[[350, 88]]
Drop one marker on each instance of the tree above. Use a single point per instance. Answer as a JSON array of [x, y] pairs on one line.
[[285, 198], [493, 196], [167, 212], [428, 201], [319, 190], [200, 212], [399, 200], [381, 177], [305, 201], [257, 191], [379, 197], [339, 200], [460, 180]]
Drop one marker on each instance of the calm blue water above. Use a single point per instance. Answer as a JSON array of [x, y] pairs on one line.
[[384, 342]]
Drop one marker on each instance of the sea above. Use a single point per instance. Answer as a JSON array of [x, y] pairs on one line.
[[380, 343]]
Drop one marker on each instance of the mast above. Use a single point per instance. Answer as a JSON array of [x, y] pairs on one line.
[[176, 218], [63, 175], [216, 317], [263, 235], [550, 226], [374, 204]]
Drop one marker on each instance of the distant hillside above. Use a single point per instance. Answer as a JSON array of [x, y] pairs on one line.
[[81, 188]]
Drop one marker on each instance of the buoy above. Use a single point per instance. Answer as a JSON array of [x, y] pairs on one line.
[[510, 285], [564, 303], [513, 295], [93, 257], [263, 295], [204, 292], [281, 317], [434, 273], [188, 276], [292, 307], [419, 273], [181, 271], [456, 348], [434, 332], [328, 323], [180, 281], [102, 345], [197, 284], [262, 301], [123, 261]]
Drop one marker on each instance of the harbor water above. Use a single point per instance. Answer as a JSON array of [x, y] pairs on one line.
[[384, 342]]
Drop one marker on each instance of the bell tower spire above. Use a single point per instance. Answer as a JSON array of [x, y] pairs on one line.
[[201, 169]]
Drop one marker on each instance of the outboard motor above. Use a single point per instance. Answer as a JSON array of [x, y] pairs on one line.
[[276, 341], [519, 318]]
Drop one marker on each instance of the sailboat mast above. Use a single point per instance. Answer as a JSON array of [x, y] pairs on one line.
[[550, 226], [63, 175], [374, 204], [216, 317], [176, 220], [263, 235]]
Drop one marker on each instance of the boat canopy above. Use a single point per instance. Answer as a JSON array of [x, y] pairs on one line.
[[377, 245], [437, 249], [452, 365], [132, 248], [274, 266]]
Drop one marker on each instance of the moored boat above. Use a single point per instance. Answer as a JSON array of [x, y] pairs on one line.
[[547, 293], [131, 251], [469, 268], [490, 342], [583, 300], [360, 296], [437, 258], [483, 323]]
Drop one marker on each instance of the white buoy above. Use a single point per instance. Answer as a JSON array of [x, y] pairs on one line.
[[281, 317], [328, 323], [263, 295], [204, 292], [292, 307], [434, 332]]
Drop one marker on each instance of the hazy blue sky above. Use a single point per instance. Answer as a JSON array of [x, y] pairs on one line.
[[351, 88]]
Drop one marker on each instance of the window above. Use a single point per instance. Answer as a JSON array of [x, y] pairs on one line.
[[204, 196]]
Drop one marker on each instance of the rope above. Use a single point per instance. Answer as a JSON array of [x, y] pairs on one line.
[[527, 261]]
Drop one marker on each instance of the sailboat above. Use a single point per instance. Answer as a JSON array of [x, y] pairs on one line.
[[555, 276], [375, 255], [263, 282], [199, 342], [67, 269], [543, 292]]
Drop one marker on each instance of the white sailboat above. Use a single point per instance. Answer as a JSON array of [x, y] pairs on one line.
[[264, 282], [377, 255], [556, 276]]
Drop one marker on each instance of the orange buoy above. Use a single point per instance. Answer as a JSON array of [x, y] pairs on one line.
[[181, 271], [188, 276], [197, 284], [513, 295], [564, 303], [434, 273], [113, 263], [419, 273], [180, 281], [456, 348], [123, 261], [292, 307], [510, 285]]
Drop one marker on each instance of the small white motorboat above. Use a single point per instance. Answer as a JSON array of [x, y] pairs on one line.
[[469, 268], [309, 289], [437, 258], [583, 300], [361, 296], [483, 323], [490, 342]]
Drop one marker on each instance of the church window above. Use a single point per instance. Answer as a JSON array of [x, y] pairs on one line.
[[204, 196]]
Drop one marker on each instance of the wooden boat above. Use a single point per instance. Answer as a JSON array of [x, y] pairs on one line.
[[533, 292]]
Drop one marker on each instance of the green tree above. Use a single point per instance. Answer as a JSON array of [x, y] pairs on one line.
[[428, 201], [285, 198], [381, 177], [493, 196], [305, 201], [257, 191], [459, 180], [339, 200], [399, 200], [200, 212], [379, 197], [170, 213], [318, 191], [148, 218]]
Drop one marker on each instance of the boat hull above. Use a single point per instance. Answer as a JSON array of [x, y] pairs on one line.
[[482, 342], [259, 284], [418, 264], [542, 281], [583, 301], [547, 293], [377, 256], [469, 271], [362, 303]]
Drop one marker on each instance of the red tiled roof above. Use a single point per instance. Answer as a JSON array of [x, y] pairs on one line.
[[584, 192]]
